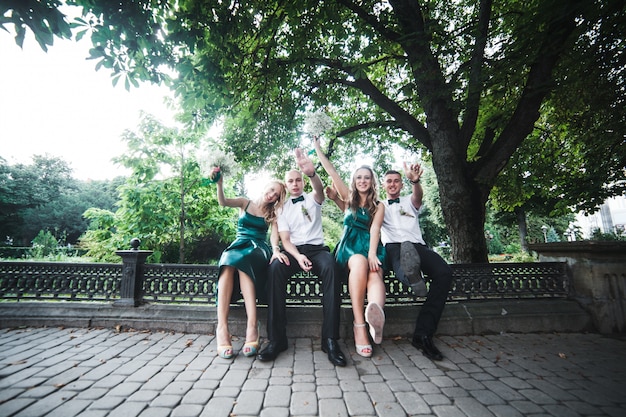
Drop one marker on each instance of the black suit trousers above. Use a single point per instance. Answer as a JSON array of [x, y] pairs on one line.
[[325, 267], [440, 280]]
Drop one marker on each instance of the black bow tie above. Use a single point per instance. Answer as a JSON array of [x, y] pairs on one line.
[[394, 200], [297, 199]]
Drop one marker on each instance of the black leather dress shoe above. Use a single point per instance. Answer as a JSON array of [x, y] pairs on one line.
[[426, 345], [271, 351], [410, 263], [335, 355]]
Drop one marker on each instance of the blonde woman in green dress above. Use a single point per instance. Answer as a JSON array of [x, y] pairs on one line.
[[360, 251], [243, 265]]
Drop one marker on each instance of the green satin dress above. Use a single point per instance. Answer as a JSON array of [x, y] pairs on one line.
[[356, 237], [249, 252]]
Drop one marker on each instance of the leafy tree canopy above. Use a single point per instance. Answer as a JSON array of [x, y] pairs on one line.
[[467, 80], [163, 202], [25, 187]]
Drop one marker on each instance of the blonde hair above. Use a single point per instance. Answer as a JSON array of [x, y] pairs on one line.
[[269, 209], [371, 200]]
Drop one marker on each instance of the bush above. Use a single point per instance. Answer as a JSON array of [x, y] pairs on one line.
[[44, 244]]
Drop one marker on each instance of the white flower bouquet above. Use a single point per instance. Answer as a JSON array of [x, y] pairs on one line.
[[217, 163], [317, 123]]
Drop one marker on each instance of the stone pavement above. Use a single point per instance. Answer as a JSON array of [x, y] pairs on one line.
[[102, 372]]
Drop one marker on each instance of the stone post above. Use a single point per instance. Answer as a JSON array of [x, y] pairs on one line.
[[598, 272], [131, 287]]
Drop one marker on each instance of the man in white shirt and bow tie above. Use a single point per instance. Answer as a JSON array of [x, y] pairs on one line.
[[300, 229], [408, 255]]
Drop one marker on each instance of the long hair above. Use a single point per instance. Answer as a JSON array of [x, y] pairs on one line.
[[269, 210], [371, 200]]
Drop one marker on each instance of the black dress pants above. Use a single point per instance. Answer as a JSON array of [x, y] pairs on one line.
[[325, 267], [440, 278]]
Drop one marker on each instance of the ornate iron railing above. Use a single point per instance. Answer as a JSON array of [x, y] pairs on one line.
[[176, 283], [60, 281], [197, 284]]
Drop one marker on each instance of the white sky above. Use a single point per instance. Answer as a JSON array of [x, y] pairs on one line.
[[56, 103]]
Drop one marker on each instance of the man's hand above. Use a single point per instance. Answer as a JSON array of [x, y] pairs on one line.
[[304, 263], [304, 163], [413, 172]]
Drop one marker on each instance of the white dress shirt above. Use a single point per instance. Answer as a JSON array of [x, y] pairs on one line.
[[303, 221], [401, 222]]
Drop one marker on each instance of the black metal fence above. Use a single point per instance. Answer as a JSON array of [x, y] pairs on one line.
[[197, 284]]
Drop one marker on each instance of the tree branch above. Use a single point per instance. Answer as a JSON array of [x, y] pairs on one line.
[[474, 88], [538, 86], [370, 20], [403, 118]]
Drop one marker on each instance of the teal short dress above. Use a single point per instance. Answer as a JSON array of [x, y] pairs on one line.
[[356, 238], [249, 253]]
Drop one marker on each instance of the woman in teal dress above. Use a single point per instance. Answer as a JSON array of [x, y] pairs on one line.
[[360, 250], [246, 259]]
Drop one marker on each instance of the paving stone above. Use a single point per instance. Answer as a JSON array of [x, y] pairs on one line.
[[129, 409], [101, 373], [154, 412], [70, 409], [249, 403], [472, 407], [274, 412], [197, 396], [379, 392], [44, 405], [304, 404], [218, 407], [359, 404], [12, 406], [332, 407], [390, 409], [187, 410], [125, 389], [277, 396], [412, 403]]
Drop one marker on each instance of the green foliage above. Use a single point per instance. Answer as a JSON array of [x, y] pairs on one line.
[[611, 237], [467, 80], [332, 224], [44, 244], [24, 187], [101, 239], [42, 17], [64, 215], [163, 202]]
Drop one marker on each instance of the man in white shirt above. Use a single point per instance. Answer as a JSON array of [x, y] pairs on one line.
[[407, 253], [300, 229]]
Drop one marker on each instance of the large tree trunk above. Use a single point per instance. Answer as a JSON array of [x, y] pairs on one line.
[[462, 203]]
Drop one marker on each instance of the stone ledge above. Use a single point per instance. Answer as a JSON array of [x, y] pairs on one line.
[[459, 318]]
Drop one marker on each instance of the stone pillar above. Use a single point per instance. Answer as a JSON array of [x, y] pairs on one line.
[[131, 287], [598, 272]]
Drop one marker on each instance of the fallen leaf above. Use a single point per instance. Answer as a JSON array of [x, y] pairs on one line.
[[562, 355]]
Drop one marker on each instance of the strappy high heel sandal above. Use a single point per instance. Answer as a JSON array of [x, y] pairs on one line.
[[362, 350], [252, 348], [375, 317], [225, 351]]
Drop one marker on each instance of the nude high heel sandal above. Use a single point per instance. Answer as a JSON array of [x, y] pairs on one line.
[[252, 348], [375, 317], [362, 350]]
